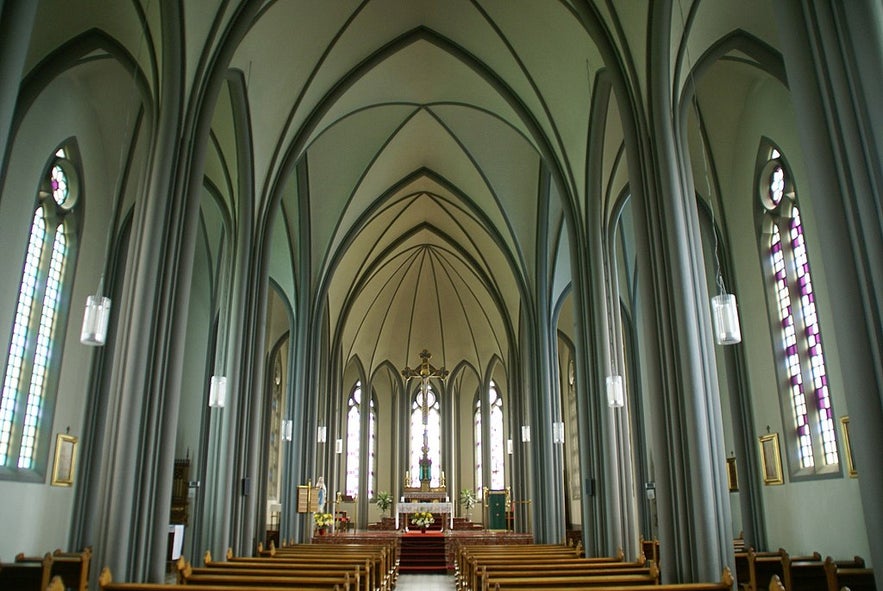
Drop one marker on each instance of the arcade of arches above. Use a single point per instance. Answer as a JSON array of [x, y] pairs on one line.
[[301, 197]]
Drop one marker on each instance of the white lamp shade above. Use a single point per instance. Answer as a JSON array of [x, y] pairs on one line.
[[95, 321], [217, 392], [558, 432], [726, 319], [615, 391]]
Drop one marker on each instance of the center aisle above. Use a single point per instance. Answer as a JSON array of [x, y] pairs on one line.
[[425, 583]]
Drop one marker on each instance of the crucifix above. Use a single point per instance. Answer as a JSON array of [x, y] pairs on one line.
[[425, 371]]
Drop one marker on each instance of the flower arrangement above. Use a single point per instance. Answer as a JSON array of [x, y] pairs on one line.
[[343, 523], [422, 519], [322, 520]]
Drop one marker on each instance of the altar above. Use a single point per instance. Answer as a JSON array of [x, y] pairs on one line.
[[436, 507]]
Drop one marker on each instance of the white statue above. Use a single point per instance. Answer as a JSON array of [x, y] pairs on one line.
[[320, 494]]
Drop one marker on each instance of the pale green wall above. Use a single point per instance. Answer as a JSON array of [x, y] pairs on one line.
[[38, 513], [817, 515]]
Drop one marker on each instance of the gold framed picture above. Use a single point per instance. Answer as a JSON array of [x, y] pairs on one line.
[[732, 477], [65, 460], [771, 459], [847, 448]]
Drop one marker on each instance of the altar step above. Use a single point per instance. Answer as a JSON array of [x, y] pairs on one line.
[[423, 553]]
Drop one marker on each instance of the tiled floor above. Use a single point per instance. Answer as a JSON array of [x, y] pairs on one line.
[[425, 583]]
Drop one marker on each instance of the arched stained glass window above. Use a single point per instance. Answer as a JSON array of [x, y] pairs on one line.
[[354, 458], [479, 465], [353, 440], [372, 449], [433, 435], [496, 445], [30, 366], [799, 354]]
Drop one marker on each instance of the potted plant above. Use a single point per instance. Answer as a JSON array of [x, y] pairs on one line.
[[383, 500], [468, 501]]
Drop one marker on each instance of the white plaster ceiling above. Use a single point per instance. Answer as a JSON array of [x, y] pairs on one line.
[[398, 146]]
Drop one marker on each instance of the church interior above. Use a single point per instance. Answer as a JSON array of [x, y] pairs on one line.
[[612, 269]]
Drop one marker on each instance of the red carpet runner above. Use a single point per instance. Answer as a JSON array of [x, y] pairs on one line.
[[423, 553]]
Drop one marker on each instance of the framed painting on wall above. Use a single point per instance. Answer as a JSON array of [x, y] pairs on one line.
[[847, 448], [770, 459], [732, 477], [65, 460]]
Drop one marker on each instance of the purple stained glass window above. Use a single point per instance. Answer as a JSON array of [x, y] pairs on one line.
[[800, 334]]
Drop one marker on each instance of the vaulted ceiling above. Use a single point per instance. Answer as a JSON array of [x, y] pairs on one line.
[[424, 134], [420, 165]]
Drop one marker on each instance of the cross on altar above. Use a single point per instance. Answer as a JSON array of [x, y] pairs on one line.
[[425, 371]]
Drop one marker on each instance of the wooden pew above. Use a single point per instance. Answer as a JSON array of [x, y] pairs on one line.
[[27, 575], [470, 558], [761, 568], [725, 584], [590, 575], [373, 559], [357, 570], [743, 575], [550, 577], [296, 578], [855, 578], [650, 549], [106, 583], [546, 559], [383, 555], [71, 567], [804, 573]]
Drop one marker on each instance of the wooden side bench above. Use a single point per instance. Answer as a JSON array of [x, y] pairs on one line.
[[855, 578], [26, 575], [71, 567]]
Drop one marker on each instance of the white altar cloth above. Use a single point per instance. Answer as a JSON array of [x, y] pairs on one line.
[[405, 508]]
